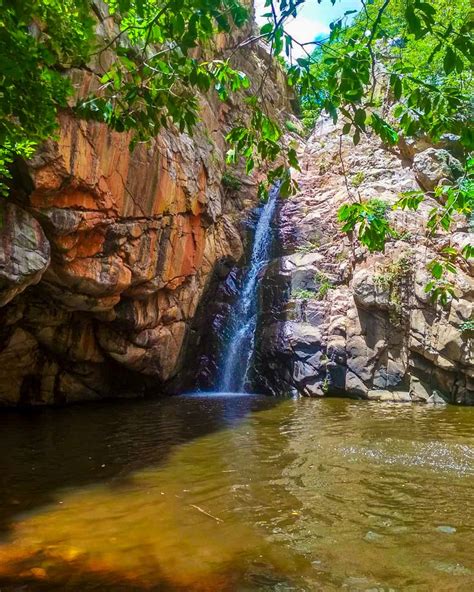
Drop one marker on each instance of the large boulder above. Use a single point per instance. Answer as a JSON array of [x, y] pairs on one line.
[[434, 166], [24, 251]]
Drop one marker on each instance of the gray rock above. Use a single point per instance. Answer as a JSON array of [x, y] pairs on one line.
[[436, 399], [393, 396], [419, 391], [432, 166], [24, 251]]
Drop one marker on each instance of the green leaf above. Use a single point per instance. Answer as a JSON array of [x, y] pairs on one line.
[[436, 269], [449, 62]]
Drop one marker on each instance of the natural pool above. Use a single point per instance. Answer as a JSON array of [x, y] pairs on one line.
[[237, 493]]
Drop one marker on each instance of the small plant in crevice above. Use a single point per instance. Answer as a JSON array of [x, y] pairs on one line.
[[308, 247], [324, 359], [405, 236], [393, 279], [358, 179], [324, 283], [325, 385], [302, 294], [230, 181], [342, 256], [467, 326], [292, 127]]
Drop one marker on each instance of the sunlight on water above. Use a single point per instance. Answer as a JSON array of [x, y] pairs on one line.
[[239, 493]]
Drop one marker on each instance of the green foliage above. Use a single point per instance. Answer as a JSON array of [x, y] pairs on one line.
[[230, 181], [358, 179], [369, 218], [393, 279], [440, 288], [37, 40], [292, 127], [258, 142], [326, 385], [380, 207], [410, 200], [153, 80], [426, 49], [452, 199], [301, 294], [324, 283], [458, 198], [467, 326]]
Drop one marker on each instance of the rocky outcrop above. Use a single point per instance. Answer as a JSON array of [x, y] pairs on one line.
[[339, 320], [106, 252], [24, 251], [433, 167]]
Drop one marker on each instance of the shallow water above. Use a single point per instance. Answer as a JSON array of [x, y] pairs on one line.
[[237, 493]]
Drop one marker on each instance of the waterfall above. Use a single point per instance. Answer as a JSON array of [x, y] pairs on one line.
[[242, 325]]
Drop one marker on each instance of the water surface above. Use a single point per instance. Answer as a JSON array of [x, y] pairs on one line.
[[237, 493]]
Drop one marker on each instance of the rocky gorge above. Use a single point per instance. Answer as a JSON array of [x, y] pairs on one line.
[[118, 268], [105, 252], [337, 319]]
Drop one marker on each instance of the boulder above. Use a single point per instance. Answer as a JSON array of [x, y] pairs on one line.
[[24, 251], [434, 166]]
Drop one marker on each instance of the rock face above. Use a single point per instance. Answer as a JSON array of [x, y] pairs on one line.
[[434, 166], [24, 251], [339, 320], [106, 252]]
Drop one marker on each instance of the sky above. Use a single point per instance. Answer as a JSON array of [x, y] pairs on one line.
[[312, 21]]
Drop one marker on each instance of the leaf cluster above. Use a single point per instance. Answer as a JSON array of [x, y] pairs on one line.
[[369, 218]]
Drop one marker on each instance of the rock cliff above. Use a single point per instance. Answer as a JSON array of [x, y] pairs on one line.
[[106, 252], [339, 320]]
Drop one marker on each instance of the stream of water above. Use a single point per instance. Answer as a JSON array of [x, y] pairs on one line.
[[237, 493], [242, 324]]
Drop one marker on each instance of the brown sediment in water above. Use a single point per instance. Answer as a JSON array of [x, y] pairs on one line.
[[61, 573], [306, 495]]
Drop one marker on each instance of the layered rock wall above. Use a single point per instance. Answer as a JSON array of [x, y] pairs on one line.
[[106, 252], [339, 320]]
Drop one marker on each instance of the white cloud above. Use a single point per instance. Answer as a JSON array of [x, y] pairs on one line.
[[302, 28]]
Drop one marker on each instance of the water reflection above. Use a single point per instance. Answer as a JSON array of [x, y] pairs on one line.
[[240, 493]]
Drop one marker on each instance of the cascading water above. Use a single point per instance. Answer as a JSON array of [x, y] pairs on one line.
[[242, 325]]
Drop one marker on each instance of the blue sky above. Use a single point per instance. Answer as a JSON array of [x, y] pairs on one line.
[[313, 19]]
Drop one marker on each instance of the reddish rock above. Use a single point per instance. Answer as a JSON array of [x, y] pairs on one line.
[[134, 236]]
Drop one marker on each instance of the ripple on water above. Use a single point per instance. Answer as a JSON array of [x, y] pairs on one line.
[[240, 493]]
